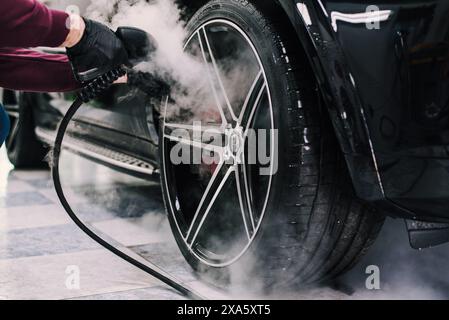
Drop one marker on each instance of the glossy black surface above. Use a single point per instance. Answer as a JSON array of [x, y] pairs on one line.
[[122, 119], [386, 89], [330, 66]]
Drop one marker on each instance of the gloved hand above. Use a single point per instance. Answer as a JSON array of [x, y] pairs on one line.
[[98, 51], [150, 84]]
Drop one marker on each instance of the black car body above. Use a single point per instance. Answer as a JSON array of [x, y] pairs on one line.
[[383, 72], [387, 89]]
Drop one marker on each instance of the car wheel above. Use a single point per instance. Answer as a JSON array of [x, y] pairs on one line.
[[24, 150], [301, 221]]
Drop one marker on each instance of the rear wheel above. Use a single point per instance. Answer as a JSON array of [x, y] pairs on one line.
[[289, 212], [24, 150]]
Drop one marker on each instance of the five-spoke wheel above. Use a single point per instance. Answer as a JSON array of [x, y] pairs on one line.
[[218, 202]]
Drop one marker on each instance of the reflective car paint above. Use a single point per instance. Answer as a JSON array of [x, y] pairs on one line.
[[387, 92]]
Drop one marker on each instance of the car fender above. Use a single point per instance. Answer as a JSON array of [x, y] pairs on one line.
[[313, 26]]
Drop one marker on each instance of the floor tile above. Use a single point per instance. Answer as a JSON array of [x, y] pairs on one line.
[[41, 183], [168, 257], [154, 293], [14, 186], [24, 199], [44, 241], [72, 197], [27, 175], [45, 277], [129, 232], [14, 218]]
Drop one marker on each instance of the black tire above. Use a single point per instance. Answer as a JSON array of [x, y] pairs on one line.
[[314, 227], [24, 150]]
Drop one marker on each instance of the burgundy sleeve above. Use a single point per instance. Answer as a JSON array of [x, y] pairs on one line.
[[29, 70], [28, 23]]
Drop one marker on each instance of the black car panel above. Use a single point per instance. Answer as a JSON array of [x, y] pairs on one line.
[[386, 89], [121, 118], [401, 73]]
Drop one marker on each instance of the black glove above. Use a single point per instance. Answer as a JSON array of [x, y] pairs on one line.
[[150, 84], [98, 52]]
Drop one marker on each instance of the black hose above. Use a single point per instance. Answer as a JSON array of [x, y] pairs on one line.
[[60, 192]]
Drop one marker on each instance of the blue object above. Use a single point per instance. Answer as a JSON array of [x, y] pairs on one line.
[[4, 125]]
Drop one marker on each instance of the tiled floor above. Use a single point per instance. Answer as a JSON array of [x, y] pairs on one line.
[[38, 242], [39, 245]]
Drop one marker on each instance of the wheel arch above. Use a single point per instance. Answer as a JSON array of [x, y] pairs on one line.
[[312, 24]]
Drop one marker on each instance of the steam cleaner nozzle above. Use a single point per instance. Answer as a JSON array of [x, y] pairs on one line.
[[138, 44]]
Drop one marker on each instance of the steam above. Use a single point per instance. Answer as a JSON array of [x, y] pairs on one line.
[[162, 19], [405, 273]]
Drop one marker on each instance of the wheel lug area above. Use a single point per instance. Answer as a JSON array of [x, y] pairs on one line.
[[234, 144]]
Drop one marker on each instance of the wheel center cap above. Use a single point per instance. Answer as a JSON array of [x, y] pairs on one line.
[[234, 144]]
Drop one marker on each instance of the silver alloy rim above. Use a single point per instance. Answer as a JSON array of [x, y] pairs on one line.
[[250, 225]]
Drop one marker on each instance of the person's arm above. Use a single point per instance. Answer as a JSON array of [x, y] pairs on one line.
[[29, 23], [28, 70]]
